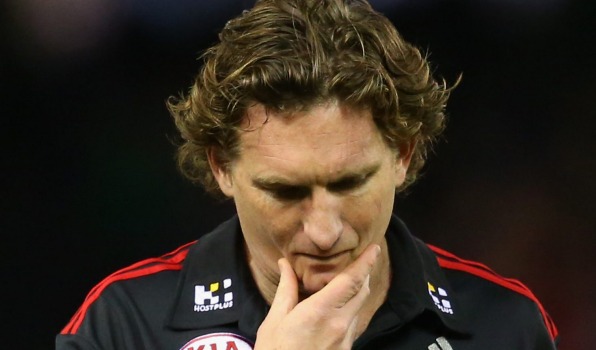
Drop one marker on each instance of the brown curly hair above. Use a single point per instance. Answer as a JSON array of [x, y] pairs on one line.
[[293, 54]]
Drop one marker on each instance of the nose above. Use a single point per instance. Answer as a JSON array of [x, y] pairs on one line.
[[322, 222]]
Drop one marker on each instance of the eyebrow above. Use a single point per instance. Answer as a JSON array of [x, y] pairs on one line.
[[271, 182]]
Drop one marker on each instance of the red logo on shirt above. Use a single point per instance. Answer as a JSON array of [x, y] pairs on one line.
[[218, 341]]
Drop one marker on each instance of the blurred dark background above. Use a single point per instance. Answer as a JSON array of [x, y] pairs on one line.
[[89, 183]]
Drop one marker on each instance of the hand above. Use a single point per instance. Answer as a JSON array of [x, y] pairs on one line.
[[327, 319]]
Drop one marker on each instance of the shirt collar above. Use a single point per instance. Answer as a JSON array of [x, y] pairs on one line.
[[216, 266], [418, 284]]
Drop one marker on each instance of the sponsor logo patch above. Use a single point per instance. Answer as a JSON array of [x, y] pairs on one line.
[[439, 296], [218, 341], [214, 296]]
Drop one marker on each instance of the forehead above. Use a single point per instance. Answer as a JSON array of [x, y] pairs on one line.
[[326, 138], [321, 125]]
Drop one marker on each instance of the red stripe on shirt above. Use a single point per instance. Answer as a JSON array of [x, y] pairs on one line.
[[168, 262], [450, 261]]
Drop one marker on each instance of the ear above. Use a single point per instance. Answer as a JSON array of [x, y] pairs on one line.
[[406, 150], [221, 171]]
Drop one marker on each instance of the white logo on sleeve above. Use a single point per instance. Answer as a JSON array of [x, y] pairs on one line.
[[441, 344], [218, 341], [215, 296], [439, 296]]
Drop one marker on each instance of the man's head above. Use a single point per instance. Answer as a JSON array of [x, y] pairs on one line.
[[315, 187], [293, 55], [310, 114]]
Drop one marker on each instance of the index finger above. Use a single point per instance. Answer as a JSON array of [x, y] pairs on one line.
[[286, 296]]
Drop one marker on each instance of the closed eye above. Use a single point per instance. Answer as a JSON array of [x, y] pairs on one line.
[[349, 183], [285, 192], [290, 192]]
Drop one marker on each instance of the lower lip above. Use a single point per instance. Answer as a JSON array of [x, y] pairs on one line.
[[325, 260]]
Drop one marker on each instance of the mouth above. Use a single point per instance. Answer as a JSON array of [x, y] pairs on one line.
[[323, 258], [315, 271]]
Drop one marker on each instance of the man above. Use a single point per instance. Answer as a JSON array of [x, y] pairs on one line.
[[310, 115]]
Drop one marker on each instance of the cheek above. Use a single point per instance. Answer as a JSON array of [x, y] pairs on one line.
[[267, 227], [372, 213], [363, 214]]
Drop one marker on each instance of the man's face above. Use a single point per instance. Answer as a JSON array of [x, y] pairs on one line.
[[315, 187]]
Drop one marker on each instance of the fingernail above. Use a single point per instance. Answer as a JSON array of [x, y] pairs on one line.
[[378, 249]]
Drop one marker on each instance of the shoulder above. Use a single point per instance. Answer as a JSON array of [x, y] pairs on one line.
[[143, 280], [493, 300]]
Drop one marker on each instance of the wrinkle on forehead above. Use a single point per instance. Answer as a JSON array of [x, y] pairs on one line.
[[316, 146], [328, 137], [277, 152], [310, 129]]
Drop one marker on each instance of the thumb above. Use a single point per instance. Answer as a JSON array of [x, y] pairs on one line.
[[286, 296]]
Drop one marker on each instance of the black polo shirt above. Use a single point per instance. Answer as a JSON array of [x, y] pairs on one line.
[[202, 297]]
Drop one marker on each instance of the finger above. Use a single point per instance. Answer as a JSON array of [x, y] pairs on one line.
[[353, 306], [352, 333], [349, 283], [286, 296]]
